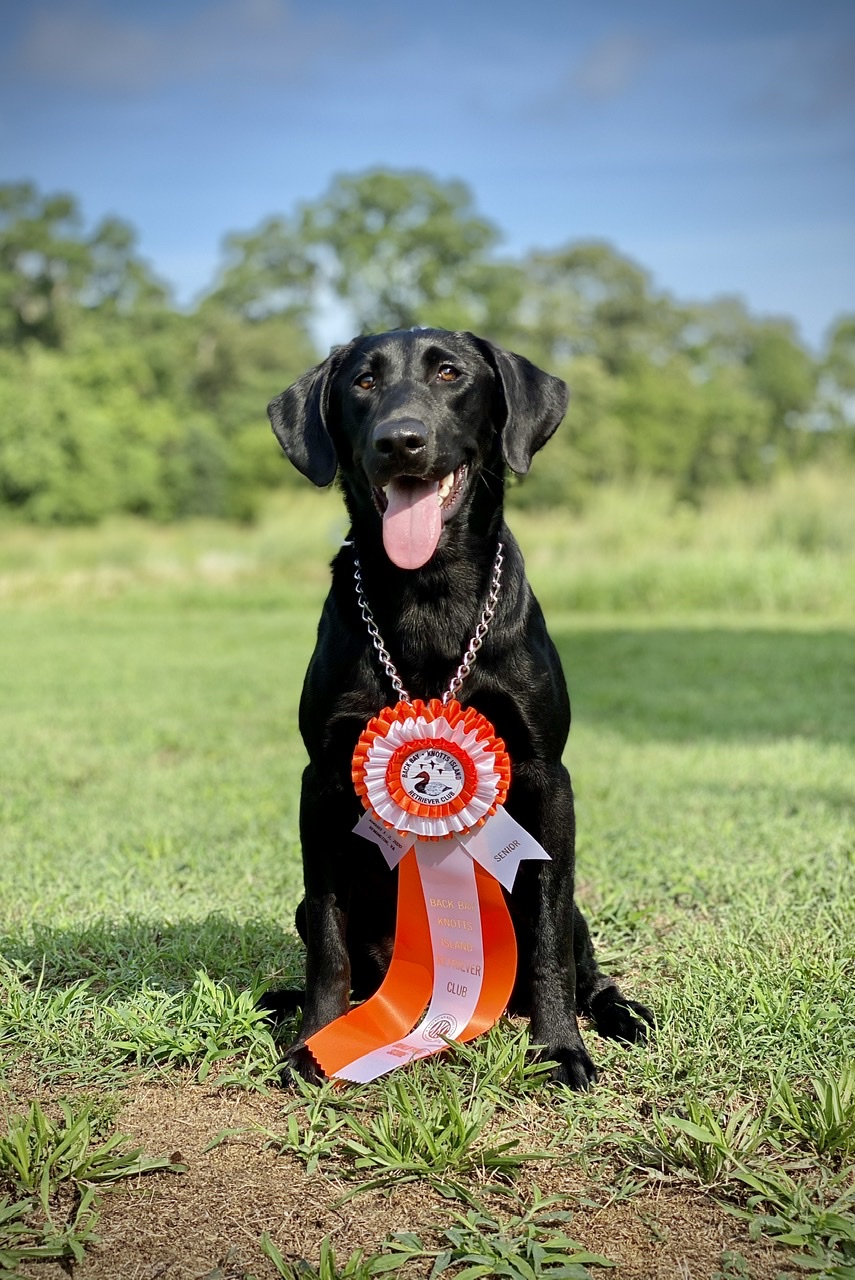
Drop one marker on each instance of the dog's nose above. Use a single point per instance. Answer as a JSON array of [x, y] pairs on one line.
[[400, 439]]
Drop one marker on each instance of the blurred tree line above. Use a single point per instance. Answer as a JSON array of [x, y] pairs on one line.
[[114, 399]]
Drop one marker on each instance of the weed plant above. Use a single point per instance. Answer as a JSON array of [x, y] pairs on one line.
[[523, 1246], [50, 1171], [821, 1116]]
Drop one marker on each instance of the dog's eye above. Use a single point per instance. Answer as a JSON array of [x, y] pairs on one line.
[[447, 373], [366, 381]]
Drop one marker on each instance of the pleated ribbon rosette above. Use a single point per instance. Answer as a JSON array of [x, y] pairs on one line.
[[433, 778]]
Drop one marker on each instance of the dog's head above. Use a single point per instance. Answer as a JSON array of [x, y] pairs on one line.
[[413, 418]]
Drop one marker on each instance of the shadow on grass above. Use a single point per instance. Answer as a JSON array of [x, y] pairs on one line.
[[120, 956], [688, 684]]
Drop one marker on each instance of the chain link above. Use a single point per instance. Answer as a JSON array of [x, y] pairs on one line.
[[471, 650], [480, 631]]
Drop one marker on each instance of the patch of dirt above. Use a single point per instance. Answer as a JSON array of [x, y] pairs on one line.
[[677, 1234], [208, 1221]]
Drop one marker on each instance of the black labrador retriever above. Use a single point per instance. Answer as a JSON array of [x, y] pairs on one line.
[[421, 425]]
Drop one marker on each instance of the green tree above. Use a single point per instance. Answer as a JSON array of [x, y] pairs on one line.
[[783, 374], [115, 400], [591, 447], [44, 263], [236, 367], [588, 300], [118, 280], [775, 365], [84, 434], [266, 272], [839, 360], [50, 267], [836, 400], [403, 249], [833, 411], [699, 433], [730, 437]]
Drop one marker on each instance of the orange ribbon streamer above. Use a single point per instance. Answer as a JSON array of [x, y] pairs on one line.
[[396, 1006]]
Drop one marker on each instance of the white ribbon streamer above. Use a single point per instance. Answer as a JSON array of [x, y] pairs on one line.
[[392, 845], [451, 899], [500, 845]]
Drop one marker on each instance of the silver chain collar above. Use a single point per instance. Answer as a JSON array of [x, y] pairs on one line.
[[471, 649]]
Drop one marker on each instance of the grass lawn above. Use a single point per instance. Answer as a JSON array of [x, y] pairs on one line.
[[149, 867]]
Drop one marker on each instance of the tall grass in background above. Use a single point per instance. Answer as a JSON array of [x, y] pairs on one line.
[[788, 548]]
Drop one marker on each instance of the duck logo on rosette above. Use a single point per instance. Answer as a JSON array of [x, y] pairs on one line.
[[432, 775]]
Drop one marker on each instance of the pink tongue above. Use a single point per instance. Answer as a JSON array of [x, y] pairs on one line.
[[412, 522]]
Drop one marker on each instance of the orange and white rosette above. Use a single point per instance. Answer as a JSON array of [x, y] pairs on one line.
[[432, 770], [433, 778]]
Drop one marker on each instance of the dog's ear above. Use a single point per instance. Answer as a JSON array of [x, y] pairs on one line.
[[299, 420], [535, 403]]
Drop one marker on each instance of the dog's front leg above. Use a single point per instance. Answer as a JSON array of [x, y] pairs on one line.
[[326, 824], [541, 799]]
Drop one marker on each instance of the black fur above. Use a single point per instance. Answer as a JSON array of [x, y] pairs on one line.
[[429, 401]]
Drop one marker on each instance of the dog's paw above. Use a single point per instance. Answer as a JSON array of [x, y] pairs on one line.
[[573, 1067], [280, 1006], [617, 1018], [299, 1062]]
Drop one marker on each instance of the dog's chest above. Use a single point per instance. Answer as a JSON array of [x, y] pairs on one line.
[[430, 641]]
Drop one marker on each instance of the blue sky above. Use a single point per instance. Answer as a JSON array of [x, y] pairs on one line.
[[714, 144]]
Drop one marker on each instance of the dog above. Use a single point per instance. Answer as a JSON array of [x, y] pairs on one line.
[[421, 425]]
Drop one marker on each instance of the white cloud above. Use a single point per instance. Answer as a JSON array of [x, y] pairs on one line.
[[810, 79], [611, 66], [602, 72], [91, 47]]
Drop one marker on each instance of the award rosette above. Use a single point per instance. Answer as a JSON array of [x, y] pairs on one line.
[[434, 771], [433, 778]]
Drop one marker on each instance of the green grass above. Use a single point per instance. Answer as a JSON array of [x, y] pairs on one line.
[[149, 863]]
